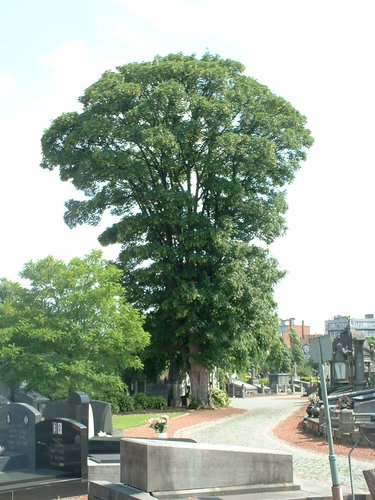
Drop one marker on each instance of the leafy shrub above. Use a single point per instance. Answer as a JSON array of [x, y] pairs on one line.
[[140, 401], [158, 402], [219, 398], [127, 403], [313, 380], [193, 403], [143, 402], [117, 398]]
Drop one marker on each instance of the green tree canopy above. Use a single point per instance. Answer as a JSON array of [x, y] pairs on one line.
[[298, 357], [192, 158], [70, 328], [278, 358]]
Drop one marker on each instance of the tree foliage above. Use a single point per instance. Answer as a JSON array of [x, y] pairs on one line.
[[192, 158], [69, 329], [298, 357]]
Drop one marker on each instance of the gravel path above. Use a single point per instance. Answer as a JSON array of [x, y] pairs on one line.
[[254, 429]]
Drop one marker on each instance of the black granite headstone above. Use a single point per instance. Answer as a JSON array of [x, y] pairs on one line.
[[80, 401], [102, 413], [77, 407], [17, 435], [61, 443]]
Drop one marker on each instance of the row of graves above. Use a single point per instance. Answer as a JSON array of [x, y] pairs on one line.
[[61, 449], [45, 452], [351, 392]]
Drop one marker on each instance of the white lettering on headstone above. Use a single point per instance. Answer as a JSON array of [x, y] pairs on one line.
[[57, 428]]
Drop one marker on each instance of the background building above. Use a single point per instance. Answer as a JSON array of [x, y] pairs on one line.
[[335, 326], [302, 331]]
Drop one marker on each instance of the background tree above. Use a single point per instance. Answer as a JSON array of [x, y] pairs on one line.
[[298, 356], [191, 156], [278, 358], [69, 329]]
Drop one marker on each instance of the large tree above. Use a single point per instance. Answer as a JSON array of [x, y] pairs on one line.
[[69, 327], [192, 157]]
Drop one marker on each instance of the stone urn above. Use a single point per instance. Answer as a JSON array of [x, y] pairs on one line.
[[315, 411]]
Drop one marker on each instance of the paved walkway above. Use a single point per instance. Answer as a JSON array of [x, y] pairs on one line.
[[254, 429]]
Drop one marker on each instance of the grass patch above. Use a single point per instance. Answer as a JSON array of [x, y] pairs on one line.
[[120, 422]]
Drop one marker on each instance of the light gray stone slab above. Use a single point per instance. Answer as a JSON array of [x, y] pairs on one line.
[[152, 465], [103, 472], [104, 490]]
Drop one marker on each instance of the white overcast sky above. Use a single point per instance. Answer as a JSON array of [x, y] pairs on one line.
[[317, 54]]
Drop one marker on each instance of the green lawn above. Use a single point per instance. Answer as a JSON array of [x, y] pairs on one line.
[[120, 422]]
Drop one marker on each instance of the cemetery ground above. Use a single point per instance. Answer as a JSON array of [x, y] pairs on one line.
[[286, 429], [289, 430]]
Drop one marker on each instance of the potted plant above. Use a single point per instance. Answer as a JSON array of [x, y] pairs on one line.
[[160, 425]]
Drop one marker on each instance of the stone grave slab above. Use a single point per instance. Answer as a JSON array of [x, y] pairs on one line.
[[155, 466], [365, 407]]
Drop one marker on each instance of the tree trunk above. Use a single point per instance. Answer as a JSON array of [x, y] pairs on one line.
[[199, 383], [173, 393]]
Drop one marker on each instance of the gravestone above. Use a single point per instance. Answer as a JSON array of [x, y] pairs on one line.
[[17, 435], [102, 413], [279, 382], [79, 407], [61, 443], [32, 398], [365, 407]]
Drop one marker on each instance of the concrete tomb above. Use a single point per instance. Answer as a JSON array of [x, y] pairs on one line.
[[159, 466], [171, 468]]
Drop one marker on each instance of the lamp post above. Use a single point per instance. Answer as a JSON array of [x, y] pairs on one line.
[[321, 352]]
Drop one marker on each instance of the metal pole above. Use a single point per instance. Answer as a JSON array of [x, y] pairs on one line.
[[336, 488]]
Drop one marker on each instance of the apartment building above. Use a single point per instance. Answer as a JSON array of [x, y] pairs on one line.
[[335, 326]]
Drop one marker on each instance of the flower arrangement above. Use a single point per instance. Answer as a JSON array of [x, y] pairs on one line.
[[314, 399], [344, 403], [313, 408], [159, 424]]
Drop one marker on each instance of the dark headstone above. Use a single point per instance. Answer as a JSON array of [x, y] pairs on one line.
[[80, 401], [17, 435], [61, 409], [102, 413], [77, 407], [61, 444], [32, 398]]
